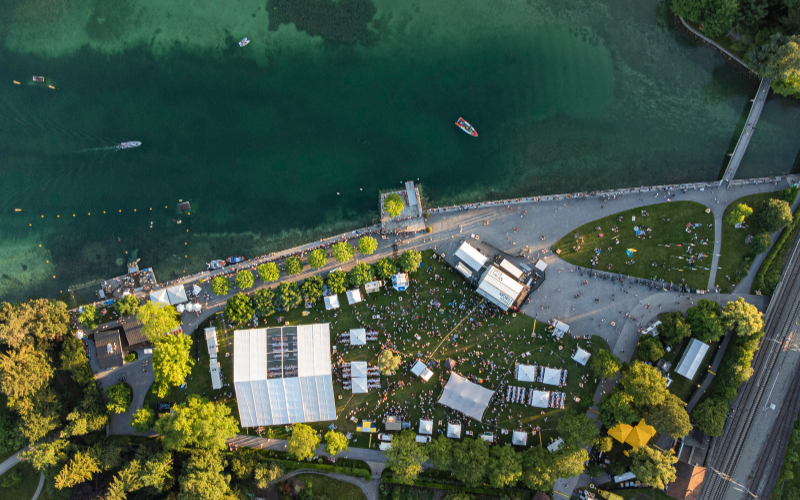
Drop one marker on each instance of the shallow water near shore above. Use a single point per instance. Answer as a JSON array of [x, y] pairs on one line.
[[292, 137]]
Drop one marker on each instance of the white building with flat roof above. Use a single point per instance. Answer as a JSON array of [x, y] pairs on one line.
[[499, 288], [471, 256], [691, 359]]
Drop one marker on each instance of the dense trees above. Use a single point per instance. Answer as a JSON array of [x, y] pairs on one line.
[[245, 279], [617, 406], [239, 308], [288, 296], [405, 457], [779, 60], [143, 419], [440, 452], [303, 442], [360, 274], [644, 383], [119, 397], [604, 364], [738, 214], [127, 305], [505, 466], [221, 286], [268, 272], [203, 477], [470, 459], [312, 288], [342, 251], [79, 469], [744, 318], [673, 328], [367, 245], [389, 361], [716, 16], [196, 423], [776, 214], [294, 266], [172, 362], [577, 431], [653, 467], [265, 474], [37, 320], [705, 321], [24, 373], [264, 302], [669, 416], [385, 268], [317, 258], [157, 320], [90, 317], [761, 242], [336, 281], [650, 348], [410, 261], [335, 443], [393, 205], [541, 469]]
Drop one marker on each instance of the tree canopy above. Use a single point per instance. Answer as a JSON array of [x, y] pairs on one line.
[[268, 272], [367, 245], [743, 317], [669, 416], [264, 302], [337, 281], [673, 328], [761, 242], [157, 320], [470, 460], [119, 397], [775, 214], [705, 321], [127, 305], [360, 274], [440, 452], [245, 279], [410, 261], [335, 443], [650, 348], [79, 469], [221, 286], [385, 268], [288, 295], [203, 477], [505, 466], [779, 60], [645, 383], [197, 423], [317, 258], [389, 361], [617, 406], [312, 288], [143, 420], [405, 457], [38, 320], [393, 205], [738, 214], [653, 467], [172, 362], [303, 443], [716, 16], [294, 266], [577, 431], [24, 372], [342, 251], [604, 364], [90, 317], [710, 416], [239, 308]]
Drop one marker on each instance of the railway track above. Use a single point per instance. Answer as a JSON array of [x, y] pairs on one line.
[[778, 320]]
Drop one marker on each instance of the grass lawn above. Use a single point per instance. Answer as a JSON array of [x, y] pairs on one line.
[[330, 488], [487, 341], [25, 489], [661, 254]]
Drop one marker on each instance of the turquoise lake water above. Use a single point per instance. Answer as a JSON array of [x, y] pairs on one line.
[[293, 136]]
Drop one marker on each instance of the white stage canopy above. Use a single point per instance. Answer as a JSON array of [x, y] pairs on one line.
[[358, 336], [519, 438], [526, 373], [471, 256], [176, 294], [280, 390], [426, 375], [540, 399], [552, 376], [499, 288], [462, 395], [159, 296], [453, 431], [581, 356], [359, 385], [354, 296], [691, 359], [426, 427], [511, 269], [331, 302], [358, 369], [196, 290]]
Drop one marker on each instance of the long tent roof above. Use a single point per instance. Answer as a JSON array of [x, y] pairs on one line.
[[691, 359], [468, 398], [471, 256], [526, 373], [499, 288]]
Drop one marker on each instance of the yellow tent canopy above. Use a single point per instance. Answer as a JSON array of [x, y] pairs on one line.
[[640, 434], [620, 432]]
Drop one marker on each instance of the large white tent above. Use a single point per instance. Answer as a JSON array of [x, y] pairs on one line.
[[519, 438], [511, 269], [359, 385], [471, 256], [691, 359], [157, 296], [552, 376], [176, 294], [499, 288], [358, 336], [277, 383], [526, 373], [331, 302], [453, 431], [462, 395], [426, 427], [581, 356], [540, 399]]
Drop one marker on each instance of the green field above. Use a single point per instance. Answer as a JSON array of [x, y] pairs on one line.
[[661, 254]]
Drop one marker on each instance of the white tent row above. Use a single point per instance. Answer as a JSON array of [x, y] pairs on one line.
[[358, 376], [172, 296], [462, 395], [581, 356]]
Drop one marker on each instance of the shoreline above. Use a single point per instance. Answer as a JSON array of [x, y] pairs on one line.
[[728, 55]]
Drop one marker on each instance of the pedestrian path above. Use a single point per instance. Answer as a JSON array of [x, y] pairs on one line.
[[747, 131]]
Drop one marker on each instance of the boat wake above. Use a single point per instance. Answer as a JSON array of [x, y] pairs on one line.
[[106, 148]]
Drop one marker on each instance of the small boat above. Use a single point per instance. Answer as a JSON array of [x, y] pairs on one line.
[[39, 79], [129, 145], [18, 210], [215, 264], [466, 127], [244, 42], [235, 259], [16, 82]]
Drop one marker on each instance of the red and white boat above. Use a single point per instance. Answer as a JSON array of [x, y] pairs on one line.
[[466, 127]]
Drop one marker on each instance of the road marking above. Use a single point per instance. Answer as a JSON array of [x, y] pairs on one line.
[[563, 495], [712, 373], [770, 391]]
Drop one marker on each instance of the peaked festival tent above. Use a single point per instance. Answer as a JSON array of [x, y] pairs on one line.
[[453, 431], [176, 294], [358, 369], [552, 376], [620, 432], [331, 302], [354, 296], [462, 395], [358, 336], [426, 427], [640, 434], [581, 356], [159, 296], [526, 373], [519, 438], [540, 399], [359, 385]]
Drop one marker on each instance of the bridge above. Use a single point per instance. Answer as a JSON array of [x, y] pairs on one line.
[[747, 132]]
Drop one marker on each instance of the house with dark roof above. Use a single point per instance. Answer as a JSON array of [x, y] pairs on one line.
[[109, 349]]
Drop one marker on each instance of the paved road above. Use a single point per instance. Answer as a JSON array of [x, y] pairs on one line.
[[39, 488], [10, 462], [140, 381], [747, 132]]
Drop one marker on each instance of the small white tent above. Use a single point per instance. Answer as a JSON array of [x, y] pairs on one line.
[[426, 427], [331, 302], [552, 376], [519, 438], [358, 336], [354, 296], [540, 399], [180, 308], [159, 296], [359, 385], [581, 356], [526, 373], [560, 329], [196, 290], [453, 431], [418, 368], [358, 369]]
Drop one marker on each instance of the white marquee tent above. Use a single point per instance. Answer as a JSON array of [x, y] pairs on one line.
[[468, 398], [176, 294], [526, 373], [331, 302], [519, 438], [540, 399], [540, 265], [471, 256], [196, 290], [358, 369], [581, 356], [691, 359], [552, 376], [359, 385], [180, 309], [453, 431], [358, 336], [159, 296], [354, 296], [426, 427]]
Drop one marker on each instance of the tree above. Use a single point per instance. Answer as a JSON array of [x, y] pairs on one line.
[[604, 364], [317, 259], [46, 454], [342, 252], [460, 495], [264, 302], [24, 372], [710, 416], [705, 321], [577, 431], [645, 383], [11, 440], [538, 469], [239, 308], [393, 205], [617, 406], [244, 462], [653, 467], [505, 466], [127, 306], [410, 261], [135, 475], [385, 268], [716, 16], [197, 423], [604, 444], [221, 286], [34, 320], [312, 288], [157, 320], [288, 296], [776, 214], [78, 470], [738, 214], [335, 443], [673, 328], [405, 457], [389, 361], [440, 452], [367, 245], [569, 462], [265, 474], [303, 443], [746, 318], [245, 279], [669, 416], [119, 397], [336, 281], [761, 243], [360, 274], [143, 420], [470, 459], [779, 60], [269, 272], [294, 266], [650, 348], [202, 477], [90, 317], [172, 362]]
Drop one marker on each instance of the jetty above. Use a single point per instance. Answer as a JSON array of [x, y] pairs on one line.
[[747, 132]]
